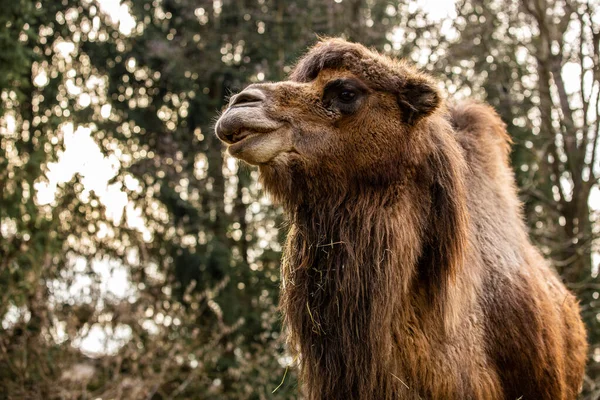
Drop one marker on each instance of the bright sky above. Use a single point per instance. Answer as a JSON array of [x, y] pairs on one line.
[[119, 13], [438, 9]]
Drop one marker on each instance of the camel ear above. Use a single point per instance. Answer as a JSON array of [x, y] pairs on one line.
[[418, 97], [446, 237]]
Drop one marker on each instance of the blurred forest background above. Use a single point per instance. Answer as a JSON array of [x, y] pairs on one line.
[[137, 261]]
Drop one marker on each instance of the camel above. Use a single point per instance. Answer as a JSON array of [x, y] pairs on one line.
[[407, 271]]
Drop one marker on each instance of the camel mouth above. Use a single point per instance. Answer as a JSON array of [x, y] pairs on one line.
[[240, 136], [241, 139], [258, 148]]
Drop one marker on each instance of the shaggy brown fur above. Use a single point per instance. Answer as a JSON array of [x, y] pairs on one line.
[[407, 272]]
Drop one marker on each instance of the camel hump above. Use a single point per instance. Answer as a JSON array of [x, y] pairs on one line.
[[483, 135]]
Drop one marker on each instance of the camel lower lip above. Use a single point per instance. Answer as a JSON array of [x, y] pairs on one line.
[[239, 145]]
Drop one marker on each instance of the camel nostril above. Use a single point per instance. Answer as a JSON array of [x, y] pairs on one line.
[[251, 96]]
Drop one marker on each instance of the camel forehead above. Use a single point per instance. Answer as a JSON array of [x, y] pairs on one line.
[[293, 92], [330, 53], [380, 71], [330, 74]]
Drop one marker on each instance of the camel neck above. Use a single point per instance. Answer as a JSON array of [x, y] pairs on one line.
[[345, 273]]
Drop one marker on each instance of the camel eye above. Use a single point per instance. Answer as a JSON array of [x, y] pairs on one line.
[[344, 95], [347, 96]]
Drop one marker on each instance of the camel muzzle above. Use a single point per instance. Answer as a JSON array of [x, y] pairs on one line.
[[248, 131], [245, 116]]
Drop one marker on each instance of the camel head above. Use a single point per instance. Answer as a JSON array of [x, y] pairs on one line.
[[347, 118]]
